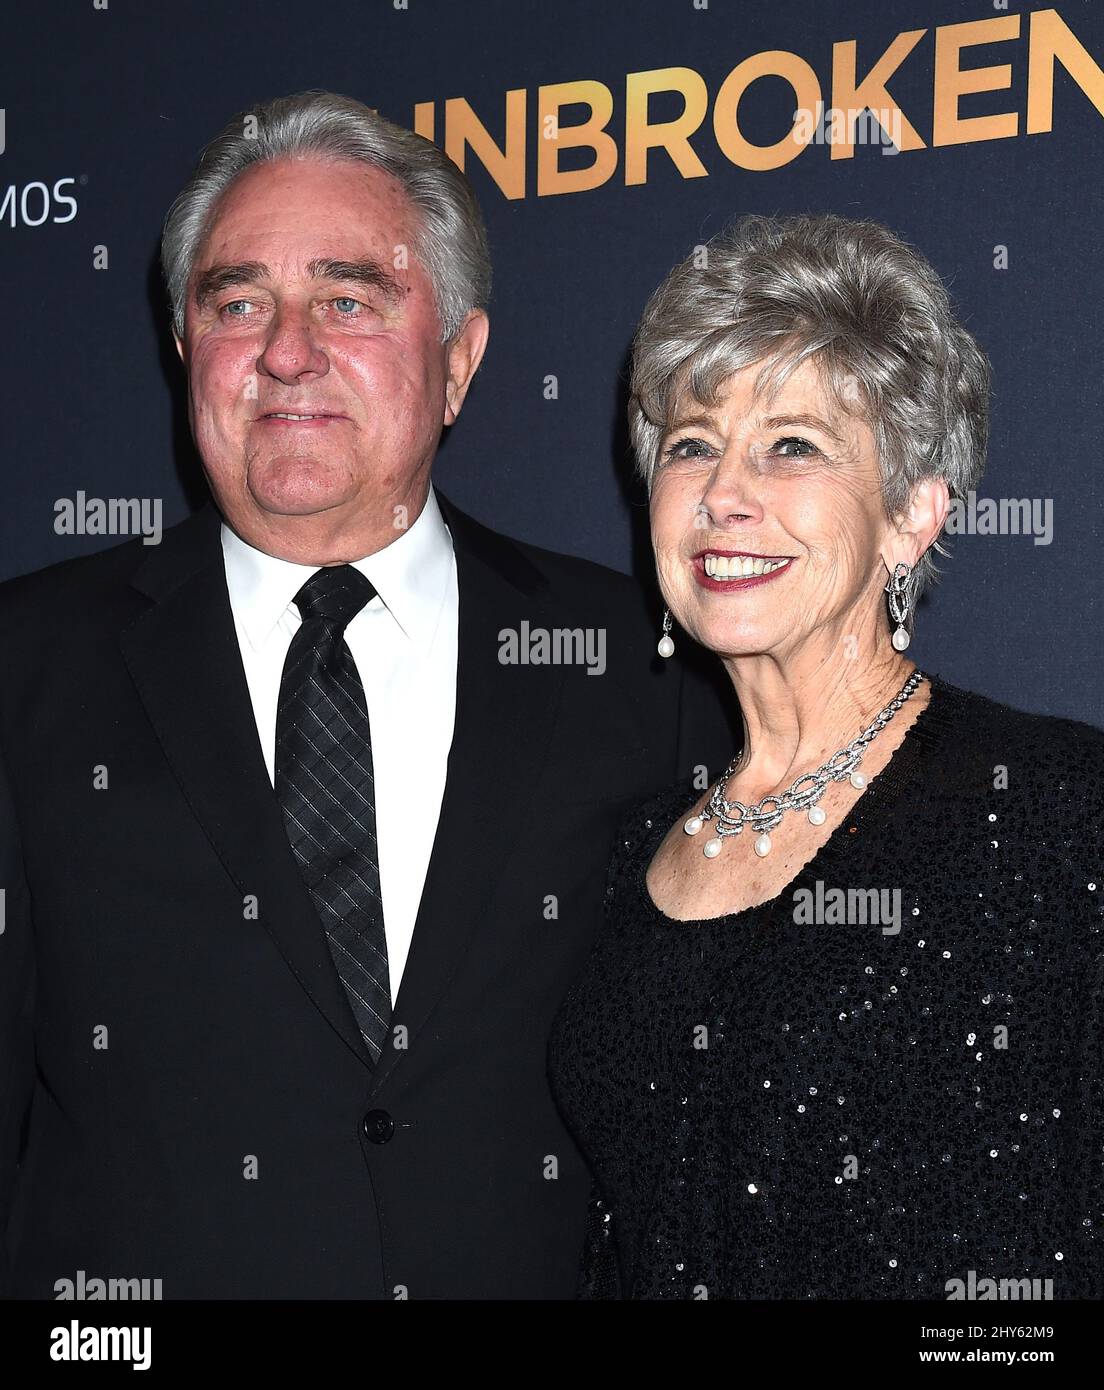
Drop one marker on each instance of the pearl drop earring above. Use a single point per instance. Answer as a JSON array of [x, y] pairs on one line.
[[666, 646], [899, 590]]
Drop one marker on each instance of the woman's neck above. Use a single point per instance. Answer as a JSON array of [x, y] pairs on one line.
[[797, 713]]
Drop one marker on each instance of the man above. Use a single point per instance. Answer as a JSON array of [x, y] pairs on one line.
[[300, 852]]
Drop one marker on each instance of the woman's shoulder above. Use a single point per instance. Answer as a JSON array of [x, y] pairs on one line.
[[644, 825], [1048, 770], [656, 811], [987, 725]]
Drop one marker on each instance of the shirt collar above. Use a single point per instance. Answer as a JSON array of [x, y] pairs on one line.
[[410, 575]]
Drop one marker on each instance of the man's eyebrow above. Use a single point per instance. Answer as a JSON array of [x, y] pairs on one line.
[[222, 277], [368, 273]]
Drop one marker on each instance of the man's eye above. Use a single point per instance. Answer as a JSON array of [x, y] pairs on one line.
[[687, 449], [346, 300], [235, 304]]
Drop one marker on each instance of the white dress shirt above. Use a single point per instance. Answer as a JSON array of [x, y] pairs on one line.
[[404, 646]]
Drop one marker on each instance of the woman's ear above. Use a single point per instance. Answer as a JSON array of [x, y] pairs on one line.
[[917, 528]]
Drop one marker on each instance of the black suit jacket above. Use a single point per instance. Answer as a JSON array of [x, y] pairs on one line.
[[186, 1096]]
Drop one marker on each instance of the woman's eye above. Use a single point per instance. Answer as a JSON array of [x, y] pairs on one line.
[[801, 448], [687, 449]]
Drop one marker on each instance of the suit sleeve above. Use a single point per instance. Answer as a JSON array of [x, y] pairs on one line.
[[16, 1005]]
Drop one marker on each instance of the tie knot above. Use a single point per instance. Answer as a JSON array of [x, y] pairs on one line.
[[336, 593]]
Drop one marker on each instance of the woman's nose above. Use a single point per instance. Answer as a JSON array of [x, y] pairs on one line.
[[732, 495]]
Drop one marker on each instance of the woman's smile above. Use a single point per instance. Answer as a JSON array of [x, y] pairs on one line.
[[725, 571]]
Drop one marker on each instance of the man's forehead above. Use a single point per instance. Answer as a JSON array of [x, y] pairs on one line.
[[296, 183], [310, 208], [295, 238]]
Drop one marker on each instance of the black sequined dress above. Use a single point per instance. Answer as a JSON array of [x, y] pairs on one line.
[[799, 1101]]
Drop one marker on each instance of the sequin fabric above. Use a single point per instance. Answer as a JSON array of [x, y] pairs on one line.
[[778, 1107]]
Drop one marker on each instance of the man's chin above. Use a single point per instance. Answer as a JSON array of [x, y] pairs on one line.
[[299, 487], [297, 506]]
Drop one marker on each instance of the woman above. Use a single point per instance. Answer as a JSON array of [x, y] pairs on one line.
[[841, 1034]]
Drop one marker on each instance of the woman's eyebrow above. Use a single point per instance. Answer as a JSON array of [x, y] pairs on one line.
[[777, 422], [685, 421]]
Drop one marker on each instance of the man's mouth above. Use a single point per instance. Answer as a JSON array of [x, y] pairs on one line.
[[726, 569], [299, 418]]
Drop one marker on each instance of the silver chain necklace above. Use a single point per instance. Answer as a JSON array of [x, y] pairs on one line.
[[764, 816]]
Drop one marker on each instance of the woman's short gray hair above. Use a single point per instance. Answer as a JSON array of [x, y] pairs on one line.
[[451, 241], [865, 305]]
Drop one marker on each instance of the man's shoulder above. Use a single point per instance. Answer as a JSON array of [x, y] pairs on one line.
[[573, 574], [82, 579], [559, 577], [88, 589]]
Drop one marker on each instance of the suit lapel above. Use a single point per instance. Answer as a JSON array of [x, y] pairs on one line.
[[502, 734], [183, 656]]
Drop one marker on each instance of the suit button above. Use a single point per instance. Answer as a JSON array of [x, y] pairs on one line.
[[378, 1126]]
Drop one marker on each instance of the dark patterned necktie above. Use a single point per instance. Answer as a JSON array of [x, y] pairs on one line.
[[325, 786]]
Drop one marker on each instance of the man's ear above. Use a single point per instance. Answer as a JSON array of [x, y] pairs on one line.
[[464, 356], [917, 528], [179, 344]]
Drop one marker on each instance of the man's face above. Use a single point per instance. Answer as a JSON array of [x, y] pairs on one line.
[[306, 299]]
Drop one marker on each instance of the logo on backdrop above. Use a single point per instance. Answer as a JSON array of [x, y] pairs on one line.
[[836, 107], [31, 204]]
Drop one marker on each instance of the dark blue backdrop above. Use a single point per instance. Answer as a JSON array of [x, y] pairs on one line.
[[120, 99]]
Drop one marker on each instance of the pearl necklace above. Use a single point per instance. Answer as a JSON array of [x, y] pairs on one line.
[[764, 816]]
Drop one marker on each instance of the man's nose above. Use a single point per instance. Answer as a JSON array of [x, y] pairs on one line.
[[291, 347]]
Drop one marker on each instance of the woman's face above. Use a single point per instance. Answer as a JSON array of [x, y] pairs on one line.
[[767, 519]]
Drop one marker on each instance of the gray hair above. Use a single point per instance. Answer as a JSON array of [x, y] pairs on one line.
[[866, 306], [451, 241]]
